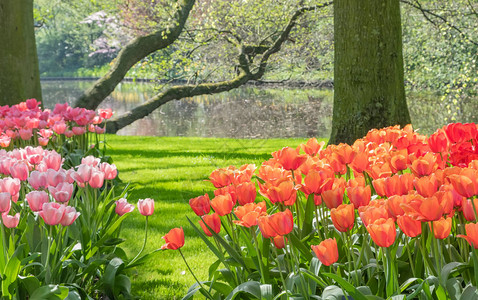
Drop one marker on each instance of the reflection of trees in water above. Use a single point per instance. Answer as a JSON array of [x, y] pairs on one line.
[[250, 112]]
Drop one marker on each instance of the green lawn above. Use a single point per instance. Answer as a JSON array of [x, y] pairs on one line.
[[171, 170]]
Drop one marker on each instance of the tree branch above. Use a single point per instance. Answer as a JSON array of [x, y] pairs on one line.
[[132, 53], [184, 91]]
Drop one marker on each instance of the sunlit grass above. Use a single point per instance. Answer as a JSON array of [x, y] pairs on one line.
[[171, 171]]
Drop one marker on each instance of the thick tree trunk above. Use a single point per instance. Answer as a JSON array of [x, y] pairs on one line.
[[368, 72], [19, 74]]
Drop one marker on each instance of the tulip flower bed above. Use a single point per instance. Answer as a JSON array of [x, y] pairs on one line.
[[72, 132], [60, 228], [391, 215]]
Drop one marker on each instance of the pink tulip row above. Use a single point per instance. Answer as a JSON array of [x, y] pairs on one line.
[[23, 120]]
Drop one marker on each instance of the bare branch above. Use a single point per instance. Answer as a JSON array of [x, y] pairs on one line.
[[132, 53]]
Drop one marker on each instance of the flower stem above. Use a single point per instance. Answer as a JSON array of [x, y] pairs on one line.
[[259, 256], [144, 243], [195, 278]]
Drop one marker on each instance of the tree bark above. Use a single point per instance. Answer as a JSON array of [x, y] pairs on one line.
[[369, 87], [132, 53], [19, 73]]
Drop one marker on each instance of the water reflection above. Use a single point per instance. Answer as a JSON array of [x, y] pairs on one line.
[[250, 112]]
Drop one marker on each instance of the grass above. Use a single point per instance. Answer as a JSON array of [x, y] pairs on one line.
[[172, 170]]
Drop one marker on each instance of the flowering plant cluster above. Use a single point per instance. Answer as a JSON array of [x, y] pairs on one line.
[[60, 227], [65, 129], [393, 215]]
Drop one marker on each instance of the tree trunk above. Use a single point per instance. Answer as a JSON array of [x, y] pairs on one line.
[[19, 74], [369, 87]]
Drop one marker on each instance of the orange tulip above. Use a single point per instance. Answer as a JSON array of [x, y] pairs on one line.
[[271, 174], [279, 241], [409, 226], [265, 227], [213, 221], [424, 209], [343, 217], [335, 196], [466, 184], [471, 234], [326, 251], [312, 146], [248, 214], [468, 210], [378, 170], [220, 177], [399, 160], [345, 153], [426, 185], [174, 239], [393, 205], [424, 165], [360, 162], [282, 222], [382, 232], [289, 158], [359, 196], [317, 181], [285, 192], [442, 228], [246, 193], [227, 190], [357, 181], [398, 184], [379, 186], [369, 214], [222, 204], [200, 205]]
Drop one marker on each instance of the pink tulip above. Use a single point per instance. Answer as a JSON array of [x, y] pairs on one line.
[[146, 206], [97, 179], [52, 213], [105, 113], [62, 192], [5, 202], [90, 161], [59, 127], [82, 175], [98, 130], [53, 160], [25, 134], [54, 178], [123, 207], [37, 180], [46, 133], [69, 133], [110, 170], [5, 164], [69, 216], [10, 221], [32, 103], [78, 130], [5, 141], [10, 185], [19, 170], [36, 199], [43, 141]]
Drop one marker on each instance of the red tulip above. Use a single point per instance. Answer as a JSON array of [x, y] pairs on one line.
[[213, 221], [174, 239], [246, 193], [200, 205], [279, 241], [326, 251], [265, 227], [359, 196]]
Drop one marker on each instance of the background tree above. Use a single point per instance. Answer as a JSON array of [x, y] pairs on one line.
[[19, 75], [369, 89]]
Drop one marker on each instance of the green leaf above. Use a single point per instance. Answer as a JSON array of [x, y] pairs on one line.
[[12, 270], [109, 278], [309, 217], [266, 292], [252, 288], [31, 283], [50, 292], [350, 289], [469, 293], [332, 292], [295, 241]]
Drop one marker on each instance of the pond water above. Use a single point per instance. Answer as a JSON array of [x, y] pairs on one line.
[[250, 112]]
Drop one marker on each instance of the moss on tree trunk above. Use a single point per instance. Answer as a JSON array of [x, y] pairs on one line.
[[368, 72], [19, 74]]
